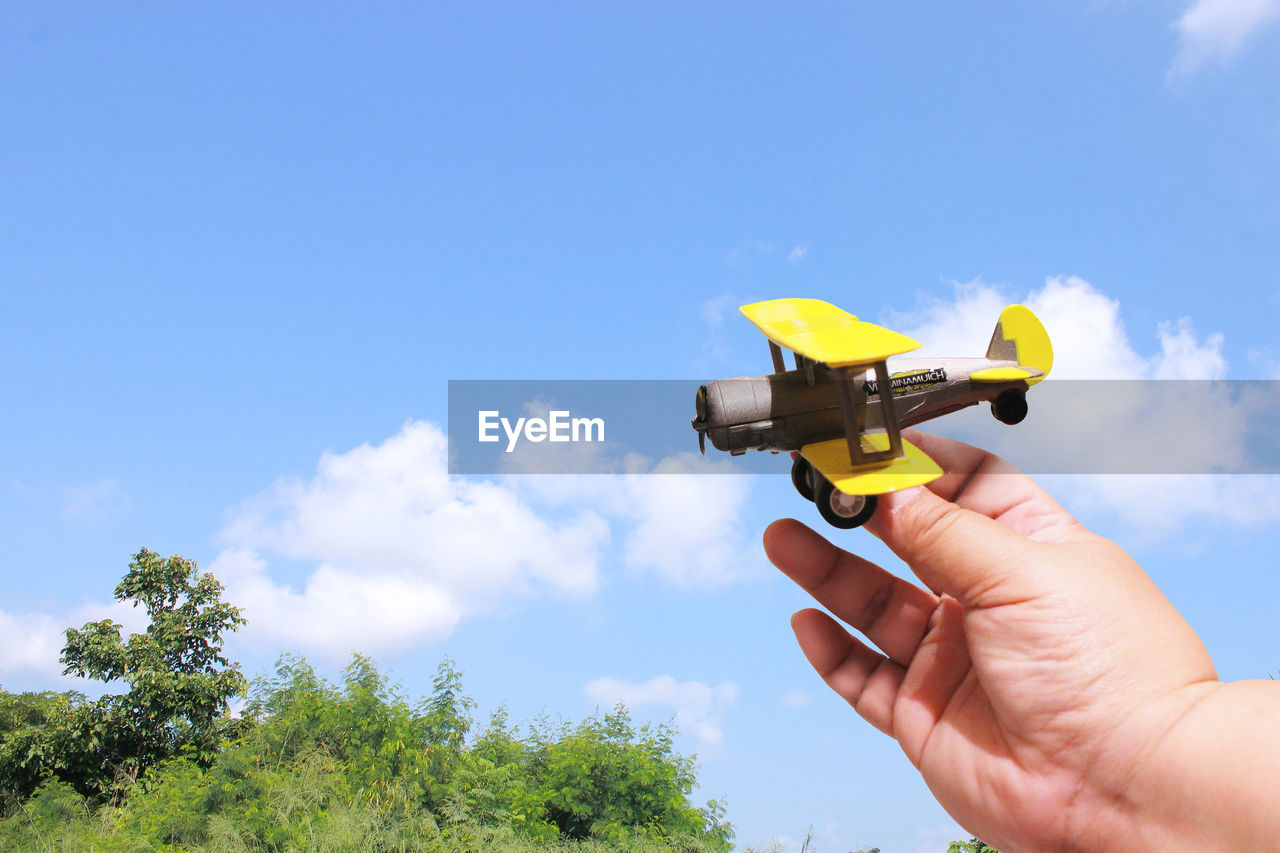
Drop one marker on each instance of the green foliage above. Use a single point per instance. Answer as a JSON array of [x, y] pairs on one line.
[[55, 817], [606, 779], [179, 686], [973, 845], [313, 765], [43, 734], [383, 745], [356, 766]]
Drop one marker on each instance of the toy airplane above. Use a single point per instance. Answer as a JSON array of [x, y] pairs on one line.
[[832, 407]]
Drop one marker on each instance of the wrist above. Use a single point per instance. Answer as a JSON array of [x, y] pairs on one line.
[[1203, 779]]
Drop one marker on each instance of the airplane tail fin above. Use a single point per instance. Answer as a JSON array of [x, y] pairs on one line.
[[1019, 336]]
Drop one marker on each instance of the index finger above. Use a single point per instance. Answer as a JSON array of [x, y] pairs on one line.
[[889, 611]]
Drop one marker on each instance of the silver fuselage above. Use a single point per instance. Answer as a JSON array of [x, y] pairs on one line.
[[788, 410]]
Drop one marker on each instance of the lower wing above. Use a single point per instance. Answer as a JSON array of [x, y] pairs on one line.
[[831, 459]]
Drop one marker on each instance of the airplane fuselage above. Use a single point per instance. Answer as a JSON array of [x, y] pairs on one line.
[[788, 410]]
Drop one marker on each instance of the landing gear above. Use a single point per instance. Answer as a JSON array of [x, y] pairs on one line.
[[803, 477], [1010, 407], [842, 510], [837, 508]]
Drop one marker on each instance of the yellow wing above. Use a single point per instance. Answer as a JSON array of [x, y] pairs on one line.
[[831, 459], [822, 332], [1006, 374]]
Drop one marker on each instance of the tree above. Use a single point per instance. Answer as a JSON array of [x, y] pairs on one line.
[[606, 779], [40, 734], [180, 683], [355, 765]]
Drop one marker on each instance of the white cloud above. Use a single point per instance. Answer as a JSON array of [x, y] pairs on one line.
[[679, 519], [394, 551], [750, 249], [714, 349], [797, 254], [31, 643], [1217, 31], [688, 527], [1184, 356], [1263, 363], [1157, 506], [934, 838], [715, 309], [1089, 338], [382, 549], [399, 550], [698, 707], [797, 699], [1123, 421], [94, 503], [336, 611]]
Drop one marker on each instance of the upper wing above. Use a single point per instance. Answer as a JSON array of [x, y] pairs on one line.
[[831, 459], [822, 332]]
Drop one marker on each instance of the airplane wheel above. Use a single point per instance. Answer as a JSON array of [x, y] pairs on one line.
[[841, 510], [1010, 407], [802, 476]]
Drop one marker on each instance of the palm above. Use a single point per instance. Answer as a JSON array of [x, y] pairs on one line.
[[990, 743], [1005, 704]]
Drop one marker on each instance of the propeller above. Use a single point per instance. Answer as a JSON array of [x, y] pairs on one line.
[[700, 408]]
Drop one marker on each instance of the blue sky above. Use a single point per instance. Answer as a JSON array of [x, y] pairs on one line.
[[244, 248]]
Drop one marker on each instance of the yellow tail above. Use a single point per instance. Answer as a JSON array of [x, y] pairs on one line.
[[1020, 337]]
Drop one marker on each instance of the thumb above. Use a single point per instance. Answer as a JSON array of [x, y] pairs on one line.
[[970, 557]]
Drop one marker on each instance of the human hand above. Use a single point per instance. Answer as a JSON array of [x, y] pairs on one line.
[[1036, 681]]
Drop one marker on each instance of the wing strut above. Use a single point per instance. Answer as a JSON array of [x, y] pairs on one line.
[[779, 366], [853, 406], [806, 365]]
